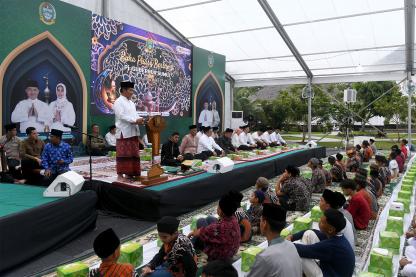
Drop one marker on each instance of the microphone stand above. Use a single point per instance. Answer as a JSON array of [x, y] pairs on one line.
[[89, 136]]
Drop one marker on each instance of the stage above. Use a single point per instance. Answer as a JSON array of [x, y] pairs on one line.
[[183, 194]]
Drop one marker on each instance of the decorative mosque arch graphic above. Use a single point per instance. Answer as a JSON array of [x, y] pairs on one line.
[[42, 51], [208, 90]]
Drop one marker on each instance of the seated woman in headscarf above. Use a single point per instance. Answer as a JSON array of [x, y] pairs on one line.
[[293, 191], [62, 110], [176, 257]]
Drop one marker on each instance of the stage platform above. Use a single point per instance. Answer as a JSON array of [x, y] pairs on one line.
[[183, 194], [31, 224]]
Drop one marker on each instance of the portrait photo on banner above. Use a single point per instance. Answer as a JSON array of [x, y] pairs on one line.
[[209, 103], [160, 68], [42, 90]]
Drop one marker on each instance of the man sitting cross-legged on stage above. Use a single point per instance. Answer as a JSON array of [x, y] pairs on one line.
[[245, 141], [107, 247], [189, 144], [207, 146], [127, 121], [257, 137], [225, 141], [56, 156], [30, 152], [170, 151], [177, 255]]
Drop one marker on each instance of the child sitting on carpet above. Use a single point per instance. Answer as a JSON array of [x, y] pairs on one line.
[[176, 257], [107, 247], [255, 210], [263, 185], [221, 239]]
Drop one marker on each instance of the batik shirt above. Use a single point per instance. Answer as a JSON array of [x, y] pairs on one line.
[[318, 180], [254, 214], [180, 257], [337, 173], [298, 192], [270, 196], [52, 154], [221, 239]]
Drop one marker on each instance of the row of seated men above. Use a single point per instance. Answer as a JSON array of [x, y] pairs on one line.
[[207, 142], [324, 252]]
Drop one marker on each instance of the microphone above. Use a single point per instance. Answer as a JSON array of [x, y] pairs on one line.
[[70, 126]]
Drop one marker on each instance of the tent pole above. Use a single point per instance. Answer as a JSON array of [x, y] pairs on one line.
[[309, 109], [409, 109]]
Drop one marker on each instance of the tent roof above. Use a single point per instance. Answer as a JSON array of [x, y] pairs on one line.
[[339, 40]]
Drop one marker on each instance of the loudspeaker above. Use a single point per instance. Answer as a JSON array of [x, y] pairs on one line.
[[65, 185], [221, 165]]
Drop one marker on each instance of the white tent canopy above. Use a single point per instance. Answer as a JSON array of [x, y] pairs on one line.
[[338, 40]]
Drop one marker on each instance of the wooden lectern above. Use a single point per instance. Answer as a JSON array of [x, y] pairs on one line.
[[154, 127]]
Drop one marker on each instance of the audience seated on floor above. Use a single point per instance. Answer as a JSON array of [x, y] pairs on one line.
[[375, 184], [340, 162], [269, 195], [367, 151], [328, 245], [219, 268], [373, 146], [221, 239], [294, 191], [384, 171], [358, 207], [353, 162], [337, 173], [176, 257], [400, 157], [280, 258], [255, 210], [318, 179], [243, 220], [362, 188], [327, 174], [107, 247]]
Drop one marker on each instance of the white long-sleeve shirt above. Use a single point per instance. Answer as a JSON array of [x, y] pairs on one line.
[[21, 115], [110, 139], [266, 137], [273, 137], [215, 118], [250, 139], [255, 136], [206, 118], [235, 140], [206, 143], [243, 139], [126, 117], [280, 139]]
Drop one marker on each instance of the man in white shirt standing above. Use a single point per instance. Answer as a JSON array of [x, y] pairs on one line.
[[244, 139], [32, 112], [207, 147], [127, 134], [110, 138], [206, 117]]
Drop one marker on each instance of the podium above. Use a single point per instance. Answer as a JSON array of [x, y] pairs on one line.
[[154, 127]]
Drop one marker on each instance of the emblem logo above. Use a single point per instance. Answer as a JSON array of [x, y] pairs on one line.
[[47, 13]]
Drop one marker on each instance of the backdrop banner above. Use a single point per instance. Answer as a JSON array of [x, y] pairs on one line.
[[160, 68]]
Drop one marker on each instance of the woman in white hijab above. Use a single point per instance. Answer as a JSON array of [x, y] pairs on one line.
[[62, 110]]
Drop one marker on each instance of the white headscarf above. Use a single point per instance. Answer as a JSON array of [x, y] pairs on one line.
[[63, 100]]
